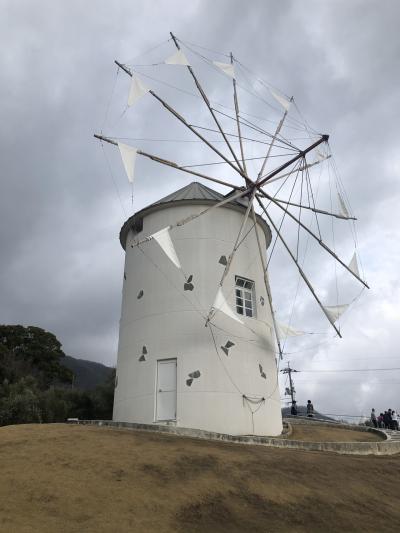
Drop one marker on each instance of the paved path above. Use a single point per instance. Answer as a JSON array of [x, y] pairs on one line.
[[392, 434]]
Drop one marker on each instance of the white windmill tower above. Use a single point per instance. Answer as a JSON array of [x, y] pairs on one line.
[[172, 367], [198, 339]]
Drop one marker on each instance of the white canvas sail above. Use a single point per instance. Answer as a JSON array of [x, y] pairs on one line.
[[227, 68], [353, 265], [137, 90], [163, 238], [285, 103], [128, 155], [334, 312], [286, 331], [343, 209], [178, 58], [320, 156], [220, 304]]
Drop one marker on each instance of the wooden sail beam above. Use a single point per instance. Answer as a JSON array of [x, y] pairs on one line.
[[204, 96], [309, 165], [278, 129], [300, 155], [173, 165], [227, 200], [190, 218], [236, 245], [321, 211], [298, 267], [320, 241], [232, 254], [184, 121], [259, 130], [266, 283], [236, 103]]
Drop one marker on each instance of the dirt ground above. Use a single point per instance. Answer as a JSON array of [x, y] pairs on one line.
[[330, 434], [58, 478]]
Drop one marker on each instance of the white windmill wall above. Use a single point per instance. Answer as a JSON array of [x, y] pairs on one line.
[[167, 320]]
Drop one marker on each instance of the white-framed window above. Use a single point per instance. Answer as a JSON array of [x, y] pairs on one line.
[[245, 297]]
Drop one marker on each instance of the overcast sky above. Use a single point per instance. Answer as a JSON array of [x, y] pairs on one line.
[[61, 211]]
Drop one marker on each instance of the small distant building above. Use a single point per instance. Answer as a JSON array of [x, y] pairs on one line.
[[171, 368]]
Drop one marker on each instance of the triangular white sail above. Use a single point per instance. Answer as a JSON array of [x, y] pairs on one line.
[[285, 103], [343, 209], [353, 265], [220, 304], [128, 155], [335, 311], [178, 58], [286, 331], [227, 68], [137, 90], [320, 156], [164, 240]]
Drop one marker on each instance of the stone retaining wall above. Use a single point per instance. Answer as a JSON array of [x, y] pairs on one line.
[[384, 447]]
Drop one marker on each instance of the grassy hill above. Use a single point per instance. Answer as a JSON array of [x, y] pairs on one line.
[[59, 478]]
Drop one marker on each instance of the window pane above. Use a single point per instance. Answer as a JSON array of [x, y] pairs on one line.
[[247, 295], [248, 303], [239, 310], [239, 282], [239, 301], [248, 284], [238, 292], [249, 312]]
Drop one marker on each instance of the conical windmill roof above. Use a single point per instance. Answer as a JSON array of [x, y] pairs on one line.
[[192, 194]]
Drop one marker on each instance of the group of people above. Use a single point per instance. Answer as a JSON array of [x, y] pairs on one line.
[[387, 420], [310, 408]]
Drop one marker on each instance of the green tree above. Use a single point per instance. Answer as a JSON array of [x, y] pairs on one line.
[[34, 351]]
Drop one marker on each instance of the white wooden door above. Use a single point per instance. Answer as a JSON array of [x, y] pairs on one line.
[[166, 390]]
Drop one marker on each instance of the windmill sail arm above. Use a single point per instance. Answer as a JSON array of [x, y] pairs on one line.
[[168, 163], [236, 102], [320, 241], [206, 101], [266, 283], [305, 167], [278, 129], [302, 154], [183, 121], [227, 200], [232, 254], [321, 211], [307, 282]]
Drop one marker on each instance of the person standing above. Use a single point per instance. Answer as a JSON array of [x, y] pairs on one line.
[[310, 409], [373, 418], [293, 410]]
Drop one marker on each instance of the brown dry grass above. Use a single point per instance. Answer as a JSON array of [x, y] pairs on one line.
[[58, 478], [316, 433]]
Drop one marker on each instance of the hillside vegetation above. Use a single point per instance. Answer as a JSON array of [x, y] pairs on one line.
[[88, 374], [35, 386], [59, 478]]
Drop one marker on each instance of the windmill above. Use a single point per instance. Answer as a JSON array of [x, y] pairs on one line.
[[232, 312]]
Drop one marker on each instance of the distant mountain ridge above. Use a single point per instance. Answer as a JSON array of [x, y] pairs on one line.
[[87, 374]]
